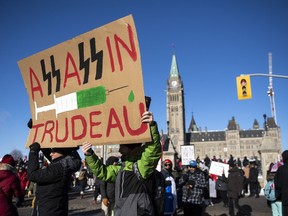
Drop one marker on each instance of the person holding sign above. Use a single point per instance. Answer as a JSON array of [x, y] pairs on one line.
[[131, 196], [52, 182]]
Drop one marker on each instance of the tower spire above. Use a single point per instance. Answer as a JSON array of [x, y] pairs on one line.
[[174, 72]]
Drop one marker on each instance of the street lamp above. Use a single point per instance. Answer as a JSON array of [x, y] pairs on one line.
[[265, 123]]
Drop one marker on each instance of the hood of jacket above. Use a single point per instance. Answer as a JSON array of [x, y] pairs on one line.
[[71, 162], [6, 170]]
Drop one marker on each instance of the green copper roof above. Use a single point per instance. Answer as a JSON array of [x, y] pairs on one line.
[[174, 67]]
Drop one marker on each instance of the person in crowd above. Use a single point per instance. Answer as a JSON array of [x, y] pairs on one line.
[[53, 182], [25, 161], [280, 180], [171, 197], [96, 192], [91, 180], [239, 163], [207, 161], [9, 187], [245, 161], [276, 205], [253, 180], [177, 173], [193, 183], [206, 190], [198, 160], [231, 160], [23, 177], [73, 180], [82, 178], [131, 197], [222, 188], [107, 190], [235, 186], [246, 171]]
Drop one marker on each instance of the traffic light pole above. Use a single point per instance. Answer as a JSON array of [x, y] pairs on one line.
[[267, 75], [270, 88]]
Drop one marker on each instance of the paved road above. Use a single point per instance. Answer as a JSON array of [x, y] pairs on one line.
[[87, 207], [251, 206]]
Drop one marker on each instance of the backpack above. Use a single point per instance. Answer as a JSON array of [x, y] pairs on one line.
[[269, 191], [155, 187]]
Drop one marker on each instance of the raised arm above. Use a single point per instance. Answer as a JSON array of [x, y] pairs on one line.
[[152, 150], [101, 171]]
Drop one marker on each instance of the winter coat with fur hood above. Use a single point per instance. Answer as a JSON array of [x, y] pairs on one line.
[[10, 185]]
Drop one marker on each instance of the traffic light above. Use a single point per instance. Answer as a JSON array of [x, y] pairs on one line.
[[244, 87]]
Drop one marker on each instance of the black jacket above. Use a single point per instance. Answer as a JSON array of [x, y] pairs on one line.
[[166, 173], [107, 190], [53, 183], [253, 175], [222, 183], [280, 180], [235, 182]]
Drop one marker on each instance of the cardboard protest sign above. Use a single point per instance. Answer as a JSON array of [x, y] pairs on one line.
[[89, 88], [217, 168], [187, 154]]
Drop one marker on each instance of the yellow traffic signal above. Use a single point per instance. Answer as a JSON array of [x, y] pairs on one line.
[[244, 87]]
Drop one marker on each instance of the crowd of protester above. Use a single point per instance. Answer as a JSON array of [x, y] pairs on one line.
[[190, 184]]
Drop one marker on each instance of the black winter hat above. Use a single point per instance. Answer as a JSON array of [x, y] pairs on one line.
[[63, 151], [111, 160], [132, 146]]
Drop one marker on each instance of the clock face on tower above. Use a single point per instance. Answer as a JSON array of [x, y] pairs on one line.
[[174, 83]]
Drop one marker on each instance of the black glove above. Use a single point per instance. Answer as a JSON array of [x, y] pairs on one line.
[[35, 147], [30, 123]]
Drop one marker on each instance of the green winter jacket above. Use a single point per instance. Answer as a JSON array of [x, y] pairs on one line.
[[131, 197], [147, 161]]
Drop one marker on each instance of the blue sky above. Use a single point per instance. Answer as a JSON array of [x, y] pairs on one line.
[[214, 41]]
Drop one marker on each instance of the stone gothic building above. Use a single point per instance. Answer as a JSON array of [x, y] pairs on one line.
[[262, 143]]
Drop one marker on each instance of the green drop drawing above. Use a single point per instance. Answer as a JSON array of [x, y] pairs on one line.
[[131, 96]]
